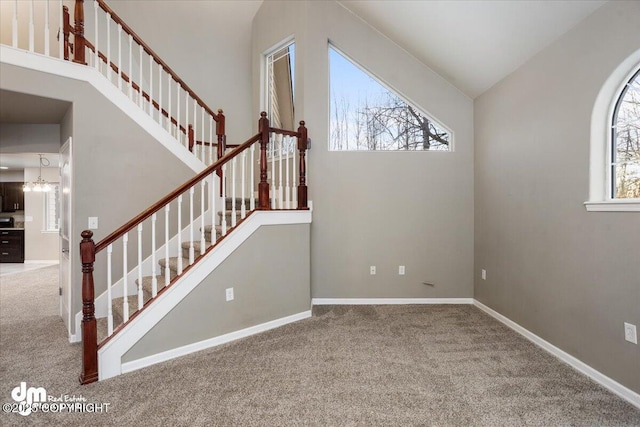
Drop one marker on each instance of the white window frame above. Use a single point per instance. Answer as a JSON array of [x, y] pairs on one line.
[[265, 97], [600, 179], [47, 196], [393, 90]]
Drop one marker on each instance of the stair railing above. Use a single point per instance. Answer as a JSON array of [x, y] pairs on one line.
[[139, 72], [281, 154], [102, 40]]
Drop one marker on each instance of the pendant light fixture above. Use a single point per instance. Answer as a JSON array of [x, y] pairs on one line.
[[40, 185]]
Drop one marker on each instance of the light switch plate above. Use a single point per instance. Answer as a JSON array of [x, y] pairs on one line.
[[229, 294], [93, 223]]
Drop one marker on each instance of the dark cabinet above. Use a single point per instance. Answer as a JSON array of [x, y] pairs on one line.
[[12, 196], [11, 245]]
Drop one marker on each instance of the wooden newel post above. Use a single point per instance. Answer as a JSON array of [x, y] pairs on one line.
[[302, 147], [66, 30], [222, 143], [89, 372], [191, 138], [78, 34], [263, 186]]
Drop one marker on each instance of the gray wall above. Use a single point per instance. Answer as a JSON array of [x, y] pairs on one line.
[[118, 169], [567, 275], [377, 208], [207, 43], [268, 285], [29, 138]]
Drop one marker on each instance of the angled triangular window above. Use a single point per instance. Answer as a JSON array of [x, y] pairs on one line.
[[368, 116]]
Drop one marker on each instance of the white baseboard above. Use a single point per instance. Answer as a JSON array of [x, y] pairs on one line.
[[389, 301], [614, 386], [212, 342], [43, 261]]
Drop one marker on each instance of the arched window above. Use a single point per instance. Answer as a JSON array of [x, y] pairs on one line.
[[625, 142], [614, 168]]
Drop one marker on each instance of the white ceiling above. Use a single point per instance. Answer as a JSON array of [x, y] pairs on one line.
[[473, 43], [30, 109]]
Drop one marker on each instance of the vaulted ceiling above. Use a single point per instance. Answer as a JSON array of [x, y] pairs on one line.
[[473, 43]]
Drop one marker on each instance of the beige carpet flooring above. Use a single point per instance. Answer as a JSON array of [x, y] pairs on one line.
[[382, 365]]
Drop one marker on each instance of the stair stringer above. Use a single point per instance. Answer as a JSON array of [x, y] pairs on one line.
[[110, 355], [84, 73]]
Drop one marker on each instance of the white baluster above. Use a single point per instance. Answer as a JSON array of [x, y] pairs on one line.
[[61, 33], [108, 18], [295, 181], [167, 272], [279, 140], [288, 184], [179, 235], [195, 131], [191, 225], [223, 220], [14, 28], [186, 118], [32, 28], [252, 195], [169, 81], [151, 86], [202, 241], [159, 94], [213, 208], [140, 96], [130, 67], [154, 279], [178, 134], [243, 207], [202, 148], [140, 296], [119, 57], [233, 191], [125, 279], [95, 35], [273, 170], [46, 29], [210, 139], [109, 298]]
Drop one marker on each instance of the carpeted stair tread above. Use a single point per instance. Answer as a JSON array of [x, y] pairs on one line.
[[207, 229], [173, 263], [118, 309], [147, 284], [247, 202]]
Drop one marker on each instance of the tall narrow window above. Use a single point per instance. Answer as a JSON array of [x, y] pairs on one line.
[[52, 208], [367, 116], [625, 142], [279, 87]]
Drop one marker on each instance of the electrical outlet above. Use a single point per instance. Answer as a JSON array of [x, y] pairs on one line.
[[484, 274], [229, 292], [401, 270], [372, 270], [93, 223], [630, 333]]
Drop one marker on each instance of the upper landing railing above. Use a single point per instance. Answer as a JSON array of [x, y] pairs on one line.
[[102, 40]]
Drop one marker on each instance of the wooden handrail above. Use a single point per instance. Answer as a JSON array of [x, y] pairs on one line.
[[174, 194], [284, 132], [156, 57]]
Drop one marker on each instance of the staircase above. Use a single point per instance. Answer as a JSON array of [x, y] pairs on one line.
[[119, 305], [147, 258]]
